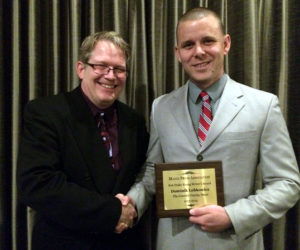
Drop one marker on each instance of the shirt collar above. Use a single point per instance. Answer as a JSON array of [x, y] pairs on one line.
[[214, 91], [95, 110]]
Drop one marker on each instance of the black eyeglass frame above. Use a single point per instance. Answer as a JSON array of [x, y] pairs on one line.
[[105, 69]]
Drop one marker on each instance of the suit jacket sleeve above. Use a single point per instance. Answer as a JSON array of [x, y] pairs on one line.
[[44, 184], [280, 179], [144, 188]]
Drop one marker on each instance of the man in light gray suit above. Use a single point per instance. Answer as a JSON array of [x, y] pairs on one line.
[[247, 131]]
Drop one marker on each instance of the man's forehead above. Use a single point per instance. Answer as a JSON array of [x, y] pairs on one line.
[[185, 28], [213, 21]]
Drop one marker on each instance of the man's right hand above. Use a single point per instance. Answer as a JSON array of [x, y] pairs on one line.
[[128, 213]]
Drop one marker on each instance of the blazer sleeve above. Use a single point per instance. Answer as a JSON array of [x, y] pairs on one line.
[[144, 188], [45, 186], [280, 174]]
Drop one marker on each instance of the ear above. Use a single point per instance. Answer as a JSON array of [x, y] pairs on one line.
[[80, 69], [177, 54], [227, 43]]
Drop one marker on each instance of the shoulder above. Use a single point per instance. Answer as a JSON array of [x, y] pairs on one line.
[[53, 102], [165, 98], [250, 93], [51, 106], [125, 108], [129, 114]]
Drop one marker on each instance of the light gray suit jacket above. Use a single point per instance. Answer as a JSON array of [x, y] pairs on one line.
[[248, 131]]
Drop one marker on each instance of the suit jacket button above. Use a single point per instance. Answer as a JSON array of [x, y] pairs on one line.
[[199, 157]]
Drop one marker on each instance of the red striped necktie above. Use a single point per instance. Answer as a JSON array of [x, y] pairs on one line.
[[205, 117]]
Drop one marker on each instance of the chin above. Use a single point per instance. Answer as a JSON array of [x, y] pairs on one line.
[[200, 79], [204, 78]]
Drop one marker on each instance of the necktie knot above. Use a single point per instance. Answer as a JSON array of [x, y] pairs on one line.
[[204, 96]]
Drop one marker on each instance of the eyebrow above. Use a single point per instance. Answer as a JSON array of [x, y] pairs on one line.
[[186, 43], [210, 37], [108, 64], [202, 39]]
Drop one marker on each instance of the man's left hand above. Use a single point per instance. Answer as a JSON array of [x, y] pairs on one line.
[[211, 218]]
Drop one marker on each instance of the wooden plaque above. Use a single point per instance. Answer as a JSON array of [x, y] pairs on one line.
[[182, 186]]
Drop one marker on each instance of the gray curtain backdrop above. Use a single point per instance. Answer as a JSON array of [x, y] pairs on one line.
[[39, 40]]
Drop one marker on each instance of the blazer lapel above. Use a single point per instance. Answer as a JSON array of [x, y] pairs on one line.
[[86, 134], [179, 109], [230, 105], [127, 138]]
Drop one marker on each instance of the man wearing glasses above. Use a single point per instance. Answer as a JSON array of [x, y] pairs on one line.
[[79, 151]]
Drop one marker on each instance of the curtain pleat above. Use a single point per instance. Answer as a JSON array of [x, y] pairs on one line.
[[39, 43], [2, 129], [283, 59], [15, 115]]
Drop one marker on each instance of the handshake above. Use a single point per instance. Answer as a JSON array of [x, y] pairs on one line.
[[128, 213]]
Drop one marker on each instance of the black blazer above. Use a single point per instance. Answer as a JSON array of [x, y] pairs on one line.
[[65, 175]]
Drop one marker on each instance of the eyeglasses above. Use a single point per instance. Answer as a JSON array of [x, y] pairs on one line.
[[104, 69]]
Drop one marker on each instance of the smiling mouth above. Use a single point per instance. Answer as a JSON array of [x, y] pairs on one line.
[[107, 86], [201, 65]]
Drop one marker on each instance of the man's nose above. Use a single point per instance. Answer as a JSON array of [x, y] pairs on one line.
[[199, 50], [110, 74]]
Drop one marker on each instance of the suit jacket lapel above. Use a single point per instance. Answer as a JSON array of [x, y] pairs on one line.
[[127, 138], [179, 109], [230, 105], [87, 136]]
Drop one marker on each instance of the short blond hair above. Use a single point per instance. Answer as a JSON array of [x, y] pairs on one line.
[[90, 42]]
